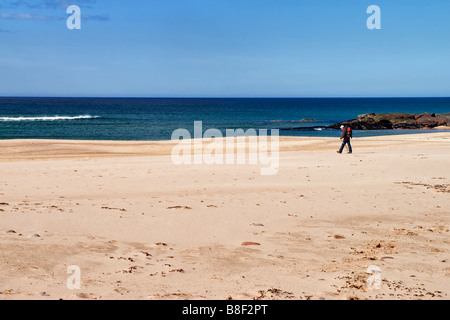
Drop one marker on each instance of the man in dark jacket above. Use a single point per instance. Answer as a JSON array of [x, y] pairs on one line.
[[345, 140]]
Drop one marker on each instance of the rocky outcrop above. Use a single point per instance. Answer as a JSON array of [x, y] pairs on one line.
[[308, 120], [372, 121]]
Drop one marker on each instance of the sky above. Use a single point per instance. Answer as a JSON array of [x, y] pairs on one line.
[[225, 48]]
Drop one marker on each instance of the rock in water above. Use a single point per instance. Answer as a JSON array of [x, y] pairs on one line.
[[372, 121]]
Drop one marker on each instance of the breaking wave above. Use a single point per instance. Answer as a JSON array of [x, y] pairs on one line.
[[48, 118]]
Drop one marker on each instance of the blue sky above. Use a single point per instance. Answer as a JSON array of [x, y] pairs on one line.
[[225, 48]]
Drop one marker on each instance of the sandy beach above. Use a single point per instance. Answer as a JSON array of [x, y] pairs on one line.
[[140, 227]]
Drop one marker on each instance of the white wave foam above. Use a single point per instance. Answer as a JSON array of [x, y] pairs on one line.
[[50, 118]]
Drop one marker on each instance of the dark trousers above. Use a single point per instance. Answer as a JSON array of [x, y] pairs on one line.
[[345, 141]]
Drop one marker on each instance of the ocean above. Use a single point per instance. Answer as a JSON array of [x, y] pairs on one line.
[[157, 118]]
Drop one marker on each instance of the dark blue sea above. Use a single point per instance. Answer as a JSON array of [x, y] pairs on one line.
[[157, 118]]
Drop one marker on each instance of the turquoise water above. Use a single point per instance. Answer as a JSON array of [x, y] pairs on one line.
[[157, 118]]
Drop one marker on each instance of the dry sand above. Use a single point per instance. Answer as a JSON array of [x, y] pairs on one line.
[[140, 227]]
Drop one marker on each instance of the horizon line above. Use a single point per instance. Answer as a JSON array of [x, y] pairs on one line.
[[219, 97]]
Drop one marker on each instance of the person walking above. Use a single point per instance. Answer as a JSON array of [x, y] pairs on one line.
[[345, 137]]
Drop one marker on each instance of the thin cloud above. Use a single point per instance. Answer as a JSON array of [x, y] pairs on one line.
[[48, 5], [60, 4], [45, 4], [28, 16], [95, 17]]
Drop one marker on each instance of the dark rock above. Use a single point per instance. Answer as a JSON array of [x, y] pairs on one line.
[[372, 121], [308, 120]]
